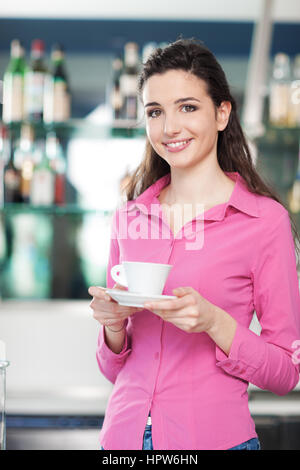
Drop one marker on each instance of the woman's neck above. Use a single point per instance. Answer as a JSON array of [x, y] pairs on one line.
[[210, 186]]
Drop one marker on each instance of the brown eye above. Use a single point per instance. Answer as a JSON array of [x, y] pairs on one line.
[[188, 108], [154, 113]]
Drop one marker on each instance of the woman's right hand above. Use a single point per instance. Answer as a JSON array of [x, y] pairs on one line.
[[106, 310]]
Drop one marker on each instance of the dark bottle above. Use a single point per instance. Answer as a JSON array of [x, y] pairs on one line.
[[57, 98], [129, 81], [3, 160], [12, 178], [116, 97], [57, 162], [35, 82]]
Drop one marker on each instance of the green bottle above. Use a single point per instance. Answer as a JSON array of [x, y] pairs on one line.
[[57, 99], [42, 183], [13, 85]]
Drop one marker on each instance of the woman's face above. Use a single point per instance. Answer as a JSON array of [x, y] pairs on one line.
[[182, 123]]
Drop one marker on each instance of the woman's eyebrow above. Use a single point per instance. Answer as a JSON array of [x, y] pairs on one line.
[[180, 100], [189, 98], [153, 103]]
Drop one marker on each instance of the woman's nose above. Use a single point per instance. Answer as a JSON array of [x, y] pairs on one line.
[[171, 125]]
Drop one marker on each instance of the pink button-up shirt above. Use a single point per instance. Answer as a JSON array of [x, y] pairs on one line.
[[243, 260]]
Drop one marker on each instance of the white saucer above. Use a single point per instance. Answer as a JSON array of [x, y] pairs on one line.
[[130, 299]]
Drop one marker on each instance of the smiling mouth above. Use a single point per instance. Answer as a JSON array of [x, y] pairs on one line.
[[177, 145]]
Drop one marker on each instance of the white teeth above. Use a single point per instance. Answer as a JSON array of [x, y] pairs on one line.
[[177, 144]]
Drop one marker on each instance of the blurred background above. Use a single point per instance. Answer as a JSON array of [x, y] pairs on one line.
[[72, 130]]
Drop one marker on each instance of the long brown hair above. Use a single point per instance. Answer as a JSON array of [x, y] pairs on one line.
[[232, 149]]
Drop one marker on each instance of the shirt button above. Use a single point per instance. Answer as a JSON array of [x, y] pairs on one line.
[[156, 356]]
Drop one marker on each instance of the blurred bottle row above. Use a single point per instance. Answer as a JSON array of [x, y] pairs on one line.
[[39, 92], [31, 171], [36, 91], [284, 98]]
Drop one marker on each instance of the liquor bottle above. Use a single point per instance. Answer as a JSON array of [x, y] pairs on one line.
[[1, 167], [148, 49], [25, 160], [11, 177], [13, 84], [58, 164], [57, 98], [280, 91], [3, 160], [294, 193], [128, 81], [116, 95], [42, 184], [294, 111], [35, 82]]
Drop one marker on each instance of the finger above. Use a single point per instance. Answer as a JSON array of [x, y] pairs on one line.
[[116, 286], [182, 313], [162, 314], [174, 304], [98, 292], [179, 317]]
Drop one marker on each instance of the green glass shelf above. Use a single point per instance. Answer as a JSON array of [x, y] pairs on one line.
[[279, 137], [294, 129], [82, 128], [68, 209]]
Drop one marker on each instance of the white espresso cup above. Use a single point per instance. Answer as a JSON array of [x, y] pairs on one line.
[[141, 277]]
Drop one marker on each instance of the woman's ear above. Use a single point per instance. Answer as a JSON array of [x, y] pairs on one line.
[[223, 114]]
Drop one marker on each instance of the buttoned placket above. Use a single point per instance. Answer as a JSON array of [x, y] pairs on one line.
[[158, 354]]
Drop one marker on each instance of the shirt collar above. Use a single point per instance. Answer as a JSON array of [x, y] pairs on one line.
[[241, 198]]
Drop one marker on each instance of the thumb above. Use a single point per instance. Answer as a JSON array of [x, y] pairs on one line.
[[120, 287], [181, 291]]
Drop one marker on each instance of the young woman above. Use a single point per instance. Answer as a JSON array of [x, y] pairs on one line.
[[187, 362]]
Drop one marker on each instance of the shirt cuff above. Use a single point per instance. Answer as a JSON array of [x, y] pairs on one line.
[[107, 354], [246, 354]]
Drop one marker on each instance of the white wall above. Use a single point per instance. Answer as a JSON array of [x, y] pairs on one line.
[[241, 10], [51, 347]]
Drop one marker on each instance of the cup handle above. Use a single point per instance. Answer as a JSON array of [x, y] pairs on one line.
[[117, 273]]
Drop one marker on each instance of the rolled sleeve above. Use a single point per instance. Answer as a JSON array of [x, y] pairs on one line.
[[246, 354], [109, 362], [266, 360]]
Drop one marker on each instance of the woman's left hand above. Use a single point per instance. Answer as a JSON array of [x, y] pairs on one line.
[[189, 311]]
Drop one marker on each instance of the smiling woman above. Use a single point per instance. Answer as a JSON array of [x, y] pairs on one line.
[[186, 126], [187, 361]]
